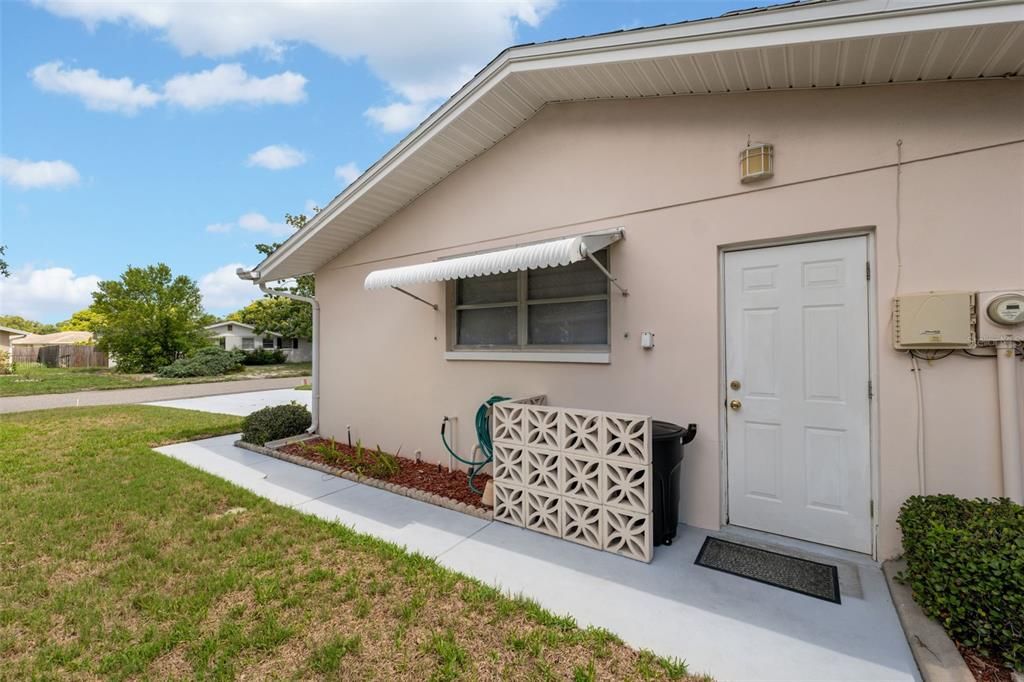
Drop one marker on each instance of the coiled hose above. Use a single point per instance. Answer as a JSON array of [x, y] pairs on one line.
[[483, 437]]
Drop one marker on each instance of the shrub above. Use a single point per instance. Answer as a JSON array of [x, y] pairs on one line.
[[272, 423], [965, 565], [6, 366], [263, 357], [208, 361]]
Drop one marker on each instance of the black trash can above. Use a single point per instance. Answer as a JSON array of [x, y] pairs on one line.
[[667, 440]]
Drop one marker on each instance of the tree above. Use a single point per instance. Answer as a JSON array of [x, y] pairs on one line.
[[150, 318], [276, 314], [30, 326], [283, 315], [85, 320], [3, 262]]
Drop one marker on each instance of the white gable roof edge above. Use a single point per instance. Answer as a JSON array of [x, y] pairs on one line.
[[785, 25]]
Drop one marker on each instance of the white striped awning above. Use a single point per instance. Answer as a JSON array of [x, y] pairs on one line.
[[543, 255]]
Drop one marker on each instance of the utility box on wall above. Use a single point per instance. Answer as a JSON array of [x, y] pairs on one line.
[[935, 319], [1000, 316]]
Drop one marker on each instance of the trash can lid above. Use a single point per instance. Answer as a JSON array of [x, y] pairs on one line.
[[664, 430]]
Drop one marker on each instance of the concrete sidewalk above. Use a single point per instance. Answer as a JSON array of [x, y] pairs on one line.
[[124, 396], [730, 627]]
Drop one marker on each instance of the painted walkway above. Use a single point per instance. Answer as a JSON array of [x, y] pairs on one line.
[[124, 396], [732, 628]]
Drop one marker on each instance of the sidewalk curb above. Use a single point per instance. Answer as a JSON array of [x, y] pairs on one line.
[[936, 655]]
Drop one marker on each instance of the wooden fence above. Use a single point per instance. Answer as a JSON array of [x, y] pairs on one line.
[[63, 355]]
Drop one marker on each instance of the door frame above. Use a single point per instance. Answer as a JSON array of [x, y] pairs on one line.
[[873, 410]]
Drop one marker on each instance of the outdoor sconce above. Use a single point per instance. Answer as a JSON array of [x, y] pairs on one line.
[[757, 162]]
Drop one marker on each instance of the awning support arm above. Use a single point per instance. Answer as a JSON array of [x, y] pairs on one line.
[[412, 295], [613, 280]]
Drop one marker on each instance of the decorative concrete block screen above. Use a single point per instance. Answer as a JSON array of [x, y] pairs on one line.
[[580, 475]]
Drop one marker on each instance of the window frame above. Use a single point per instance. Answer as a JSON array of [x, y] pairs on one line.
[[264, 343], [251, 340], [524, 349]]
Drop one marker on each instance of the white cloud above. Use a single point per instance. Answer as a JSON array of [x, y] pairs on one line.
[[99, 93], [45, 294], [257, 222], [25, 174], [347, 173], [223, 84], [423, 51], [228, 83], [254, 222], [277, 157], [223, 292], [400, 116]]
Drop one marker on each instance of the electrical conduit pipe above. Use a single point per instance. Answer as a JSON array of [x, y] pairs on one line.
[[1009, 422]]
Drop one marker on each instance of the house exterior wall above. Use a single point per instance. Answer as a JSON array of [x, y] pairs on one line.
[[666, 171], [233, 341]]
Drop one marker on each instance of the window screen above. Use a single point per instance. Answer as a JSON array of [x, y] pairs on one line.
[[556, 308], [247, 343]]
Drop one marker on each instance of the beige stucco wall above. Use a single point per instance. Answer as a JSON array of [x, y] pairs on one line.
[[666, 171]]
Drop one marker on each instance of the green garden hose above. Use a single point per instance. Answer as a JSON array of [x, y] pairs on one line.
[[483, 436]]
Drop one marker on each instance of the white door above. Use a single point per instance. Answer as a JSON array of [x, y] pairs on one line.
[[797, 393]]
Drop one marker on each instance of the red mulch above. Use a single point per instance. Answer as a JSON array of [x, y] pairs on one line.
[[984, 669], [431, 478]]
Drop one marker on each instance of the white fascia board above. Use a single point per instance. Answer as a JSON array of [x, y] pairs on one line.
[[787, 25]]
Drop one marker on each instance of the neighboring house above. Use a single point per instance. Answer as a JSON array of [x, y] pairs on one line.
[[898, 156], [56, 339], [61, 349], [231, 335], [7, 336]]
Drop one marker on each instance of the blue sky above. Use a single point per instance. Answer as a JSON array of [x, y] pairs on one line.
[[134, 133]]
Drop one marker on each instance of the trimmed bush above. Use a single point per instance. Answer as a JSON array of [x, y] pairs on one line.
[[272, 423], [263, 357], [209, 361], [965, 565]]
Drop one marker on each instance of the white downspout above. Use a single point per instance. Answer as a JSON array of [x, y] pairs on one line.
[[1009, 422], [315, 408]]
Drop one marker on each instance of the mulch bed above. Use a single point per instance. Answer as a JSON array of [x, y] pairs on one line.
[[984, 669], [431, 478]]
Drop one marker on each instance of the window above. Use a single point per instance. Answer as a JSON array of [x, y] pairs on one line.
[[562, 308], [268, 343], [247, 343], [231, 327], [295, 343], [223, 342]]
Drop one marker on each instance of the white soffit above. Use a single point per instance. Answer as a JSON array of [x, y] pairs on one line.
[[806, 45], [530, 257]]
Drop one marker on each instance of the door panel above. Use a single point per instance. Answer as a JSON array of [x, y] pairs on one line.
[[798, 444]]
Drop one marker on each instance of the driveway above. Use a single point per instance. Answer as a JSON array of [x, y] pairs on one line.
[[730, 627], [241, 404], [125, 396]]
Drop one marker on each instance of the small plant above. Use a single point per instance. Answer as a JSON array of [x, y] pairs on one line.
[[965, 566], [6, 366], [208, 361], [372, 463], [273, 423]]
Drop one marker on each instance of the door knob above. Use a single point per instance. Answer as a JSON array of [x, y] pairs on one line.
[[735, 404]]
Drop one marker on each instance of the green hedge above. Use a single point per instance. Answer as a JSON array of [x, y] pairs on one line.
[[279, 421], [209, 361], [965, 565], [263, 357]]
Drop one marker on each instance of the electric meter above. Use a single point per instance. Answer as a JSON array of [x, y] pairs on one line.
[[1007, 310]]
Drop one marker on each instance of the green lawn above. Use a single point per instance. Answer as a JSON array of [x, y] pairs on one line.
[[33, 379], [118, 562]]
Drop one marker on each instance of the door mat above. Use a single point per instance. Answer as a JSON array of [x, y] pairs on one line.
[[771, 568]]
